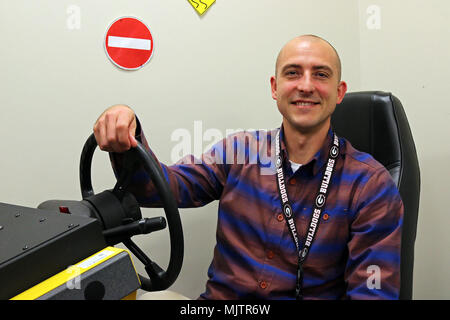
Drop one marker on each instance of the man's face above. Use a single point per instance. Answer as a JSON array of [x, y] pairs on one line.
[[307, 86]]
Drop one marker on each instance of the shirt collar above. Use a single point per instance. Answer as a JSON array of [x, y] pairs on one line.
[[321, 156]]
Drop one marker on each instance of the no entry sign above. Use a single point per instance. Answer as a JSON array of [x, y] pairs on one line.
[[128, 43]]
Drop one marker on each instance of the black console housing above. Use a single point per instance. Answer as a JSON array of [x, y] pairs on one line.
[[36, 244]]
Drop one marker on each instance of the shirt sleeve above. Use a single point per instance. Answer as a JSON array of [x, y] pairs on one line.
[[194, 181], [373, 266]]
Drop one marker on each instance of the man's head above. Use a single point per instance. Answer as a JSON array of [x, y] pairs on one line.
[[312, 38], [307, 84]]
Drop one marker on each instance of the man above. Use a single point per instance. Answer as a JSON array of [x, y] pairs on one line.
[[325, 224]]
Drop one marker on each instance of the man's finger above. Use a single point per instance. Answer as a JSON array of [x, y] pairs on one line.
[[100, 135], [111, 132], [122, 127], [133, 140]]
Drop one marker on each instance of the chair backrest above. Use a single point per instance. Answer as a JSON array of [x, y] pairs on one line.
[[375, 122]]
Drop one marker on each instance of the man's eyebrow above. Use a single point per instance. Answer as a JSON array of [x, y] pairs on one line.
[[292, 65]]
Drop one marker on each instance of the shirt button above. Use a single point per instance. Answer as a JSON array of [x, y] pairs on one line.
[[280, 217], [292, 181], [326, 216], [263, 284], [270, 254]]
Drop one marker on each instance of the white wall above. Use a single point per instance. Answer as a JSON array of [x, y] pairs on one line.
[[56, 80]]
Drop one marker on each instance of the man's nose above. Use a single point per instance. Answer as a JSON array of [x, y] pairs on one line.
[[305, 84]]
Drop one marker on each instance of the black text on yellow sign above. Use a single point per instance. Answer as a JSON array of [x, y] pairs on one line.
[[201, 5]]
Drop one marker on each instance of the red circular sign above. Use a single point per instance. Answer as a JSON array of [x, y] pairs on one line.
[[128, 43]]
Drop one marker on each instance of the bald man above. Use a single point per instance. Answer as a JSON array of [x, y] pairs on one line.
[[320, 220]]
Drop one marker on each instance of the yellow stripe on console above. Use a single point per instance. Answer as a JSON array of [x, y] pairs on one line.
[[68, 274]]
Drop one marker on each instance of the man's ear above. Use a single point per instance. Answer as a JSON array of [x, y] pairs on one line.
[[342, 89], [273, 86]]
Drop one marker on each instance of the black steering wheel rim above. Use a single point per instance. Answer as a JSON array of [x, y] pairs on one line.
[[159, 279]]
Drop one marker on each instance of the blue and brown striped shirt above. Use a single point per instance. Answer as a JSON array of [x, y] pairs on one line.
[[356, 252]]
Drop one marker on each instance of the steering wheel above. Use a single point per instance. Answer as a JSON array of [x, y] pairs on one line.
[[121, 218]]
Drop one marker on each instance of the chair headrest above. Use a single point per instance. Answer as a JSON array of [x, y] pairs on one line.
[[369, 121]]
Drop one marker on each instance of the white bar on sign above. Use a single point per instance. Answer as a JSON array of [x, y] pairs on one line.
[[129, 43]]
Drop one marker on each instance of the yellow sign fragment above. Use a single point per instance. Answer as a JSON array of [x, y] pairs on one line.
[[201, 5]]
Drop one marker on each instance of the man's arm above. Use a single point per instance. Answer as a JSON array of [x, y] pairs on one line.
[[194, 182], [373, 267]]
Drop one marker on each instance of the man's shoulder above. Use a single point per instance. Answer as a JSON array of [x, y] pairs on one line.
[[360, 160], [369, 175]]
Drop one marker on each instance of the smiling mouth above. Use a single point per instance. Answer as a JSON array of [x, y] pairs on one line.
[[304, 103]]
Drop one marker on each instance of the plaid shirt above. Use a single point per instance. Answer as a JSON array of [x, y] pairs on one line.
[[356, 252]]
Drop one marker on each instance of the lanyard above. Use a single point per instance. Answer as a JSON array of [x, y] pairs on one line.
[[318, 205]]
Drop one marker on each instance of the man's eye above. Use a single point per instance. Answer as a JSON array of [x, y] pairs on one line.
[[322, 75], [291, 73]]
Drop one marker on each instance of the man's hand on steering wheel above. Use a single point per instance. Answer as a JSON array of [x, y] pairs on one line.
[[115, 129]]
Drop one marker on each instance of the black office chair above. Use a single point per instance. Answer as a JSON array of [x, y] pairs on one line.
[[375, 122]]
